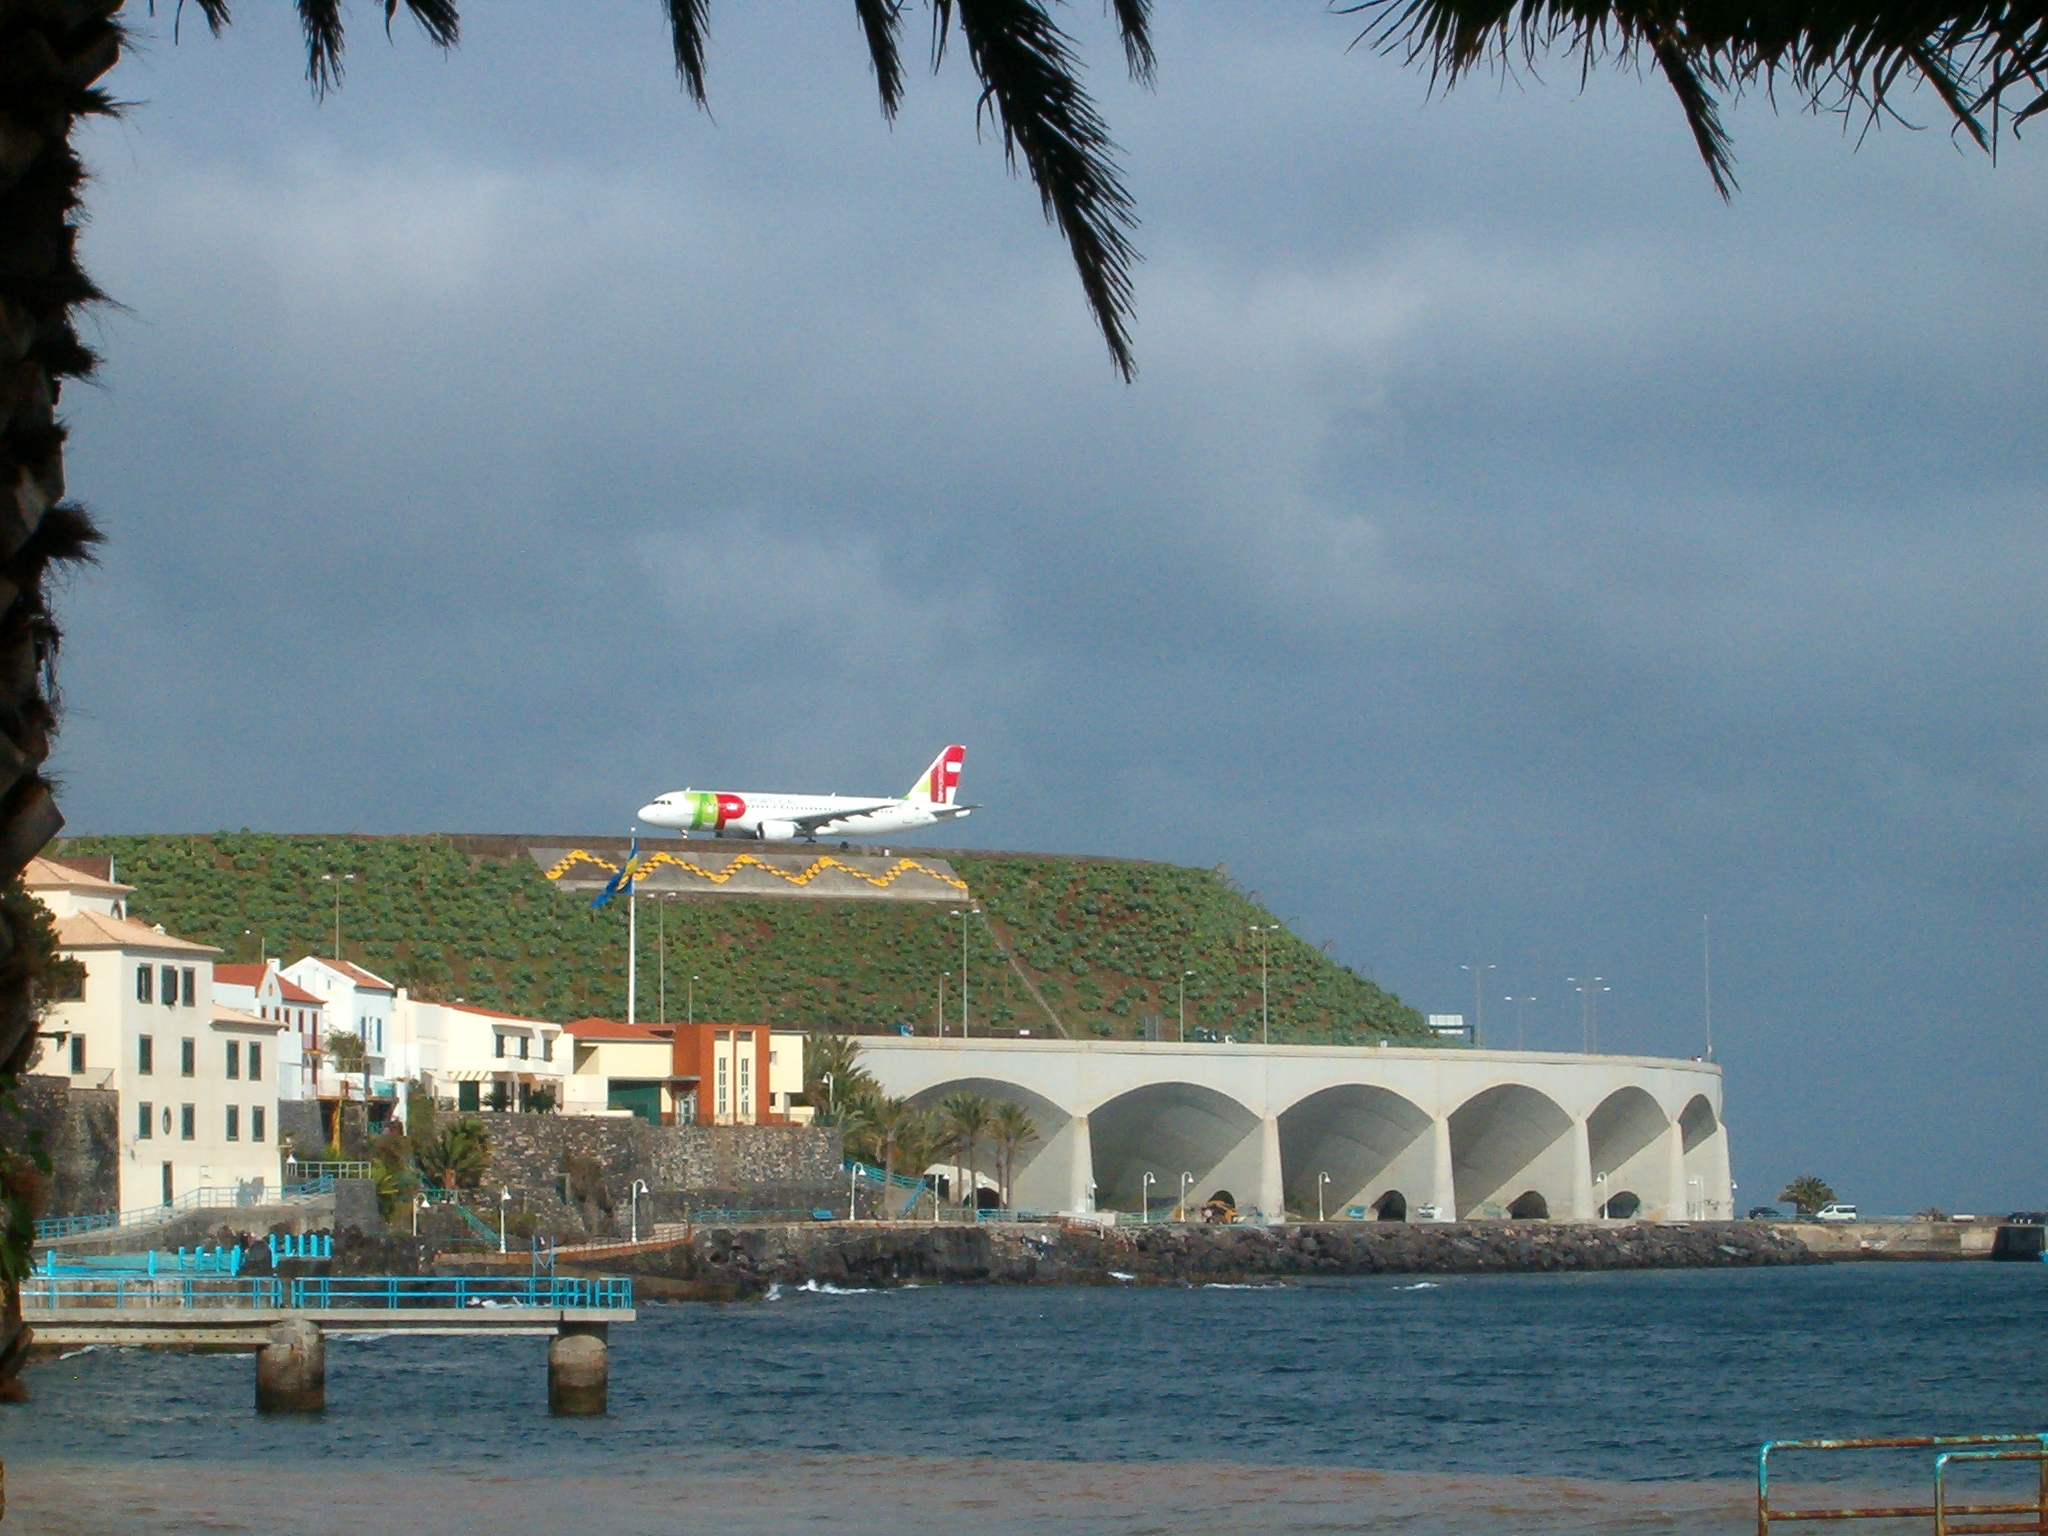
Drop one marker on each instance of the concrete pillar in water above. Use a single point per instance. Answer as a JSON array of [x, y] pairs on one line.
[[1445, 1178], [291, 1369], [1080, 1166], [1272, 1193], [579, 1370], [1582, 1173]]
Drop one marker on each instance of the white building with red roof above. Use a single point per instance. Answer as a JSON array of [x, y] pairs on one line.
[[265, 991], [356, 1002], [197, 1079], [478, 1058]]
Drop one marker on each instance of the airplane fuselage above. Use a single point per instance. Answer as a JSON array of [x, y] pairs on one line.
[[784, 818]]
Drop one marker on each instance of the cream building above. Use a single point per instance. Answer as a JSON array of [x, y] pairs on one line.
[[197, 1081], [473, 1057]]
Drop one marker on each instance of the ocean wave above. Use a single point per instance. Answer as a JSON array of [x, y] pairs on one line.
[[827, 1288], [1420, 1285]]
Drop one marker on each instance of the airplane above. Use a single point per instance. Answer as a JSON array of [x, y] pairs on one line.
[[785, 818]]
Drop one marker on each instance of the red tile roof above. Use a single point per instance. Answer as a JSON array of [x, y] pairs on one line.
[[357, 974], [614, 1029]]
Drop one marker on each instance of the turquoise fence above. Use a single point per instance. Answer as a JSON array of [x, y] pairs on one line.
[[887, 1184], [209, 1198], [323, 1293], [186, 1261], [303, 1245]]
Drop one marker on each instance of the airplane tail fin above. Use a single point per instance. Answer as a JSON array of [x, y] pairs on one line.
[[940, 782]]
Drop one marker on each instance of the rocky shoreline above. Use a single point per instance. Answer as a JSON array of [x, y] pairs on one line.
[[733, 1263]]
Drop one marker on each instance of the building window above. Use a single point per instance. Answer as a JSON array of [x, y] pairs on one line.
[[145, 1055], [188, 1122], [256, 1066], [167, 1119], [145, 984], [255, 1122], [547, 1047], [721, 1087], [72, 990], [191, 983], [501, 1046], [188, 1058], [234, 1122], [167, 985], [234, 1059], [78, 1053], [469, 1097], [145, 1122], [525, 1044]]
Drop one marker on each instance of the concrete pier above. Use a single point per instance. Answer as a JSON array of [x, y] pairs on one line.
[[291, 1369], [579, 1371]]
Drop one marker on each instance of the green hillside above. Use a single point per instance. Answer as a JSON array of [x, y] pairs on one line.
[[1103, 941]]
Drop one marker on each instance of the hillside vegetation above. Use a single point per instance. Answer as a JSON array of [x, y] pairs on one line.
[[1102, 941]]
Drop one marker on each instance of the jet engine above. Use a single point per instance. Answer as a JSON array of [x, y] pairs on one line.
[[778, 831]]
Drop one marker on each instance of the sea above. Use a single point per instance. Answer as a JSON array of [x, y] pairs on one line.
[[1630, 1402]]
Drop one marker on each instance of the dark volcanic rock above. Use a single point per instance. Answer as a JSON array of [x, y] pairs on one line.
[[740, 1261]]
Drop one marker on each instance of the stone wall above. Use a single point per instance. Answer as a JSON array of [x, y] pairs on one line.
[[300, 1124], [583, 1167], [81, 1131]]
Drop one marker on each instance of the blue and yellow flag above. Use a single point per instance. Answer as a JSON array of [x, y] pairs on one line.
[[623, 880]]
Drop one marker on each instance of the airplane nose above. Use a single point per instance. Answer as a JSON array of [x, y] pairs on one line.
[[652, 812]]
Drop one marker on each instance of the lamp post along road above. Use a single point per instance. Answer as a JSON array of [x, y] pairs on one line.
[[1478, 1000], [1265, 993], [1185, 1180], [339, 881], [966, 916], [1145, 1196], [1321, 1180], [1184, 975]]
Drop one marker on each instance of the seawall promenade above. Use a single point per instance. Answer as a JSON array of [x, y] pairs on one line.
[[716, 1263]]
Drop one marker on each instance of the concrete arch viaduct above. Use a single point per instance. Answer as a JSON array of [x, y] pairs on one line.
[[1477, 1133]]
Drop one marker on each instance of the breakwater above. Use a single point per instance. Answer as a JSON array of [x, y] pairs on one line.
[[714, 1263]]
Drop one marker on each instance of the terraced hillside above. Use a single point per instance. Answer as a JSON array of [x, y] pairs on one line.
[[1102, 941]]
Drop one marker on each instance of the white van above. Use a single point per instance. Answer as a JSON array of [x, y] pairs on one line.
[[1835, 1211]]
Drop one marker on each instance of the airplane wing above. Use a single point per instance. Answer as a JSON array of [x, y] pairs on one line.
[[945, 812], [809, 824]]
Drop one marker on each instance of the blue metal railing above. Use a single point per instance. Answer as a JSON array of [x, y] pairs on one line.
[[302, 1245], [186, 1261], [329, 1292], [723, 1217], [323, 1293], [137, 1292], [876, 1178], [207, 1198]]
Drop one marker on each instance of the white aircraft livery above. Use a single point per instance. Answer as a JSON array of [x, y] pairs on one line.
[[783, 818]]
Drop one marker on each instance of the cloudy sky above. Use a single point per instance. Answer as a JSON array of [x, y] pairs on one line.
[[1507, 553]]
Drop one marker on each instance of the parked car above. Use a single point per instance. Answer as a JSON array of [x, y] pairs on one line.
[[1835, 1210], [1765, 1213], [1427, 1213]]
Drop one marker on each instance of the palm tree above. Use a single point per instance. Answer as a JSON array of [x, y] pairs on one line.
[[1808, 1193], [1013, 1130], [836, 1057], [1986, 60], [965, 1117]]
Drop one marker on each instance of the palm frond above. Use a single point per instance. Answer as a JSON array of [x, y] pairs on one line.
[[437, 19], [321, 22], [1134, 26], [1030, 87], [689, 24], [1843, 56], [880, 21]]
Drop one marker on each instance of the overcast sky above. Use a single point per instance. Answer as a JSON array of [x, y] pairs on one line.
[[1507, 553]]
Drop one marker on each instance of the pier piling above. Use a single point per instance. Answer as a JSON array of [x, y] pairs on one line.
[[291, 1369], [579, 1370]]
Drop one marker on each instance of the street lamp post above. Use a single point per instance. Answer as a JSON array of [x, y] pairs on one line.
[[338, 882], [1185, 1180], [504, 1204], [1321, 1180], [1478, 1000], [1145, 1195], [1588, 990], [639, 1188], [1184, 975], [1519, 1002], [966, 916], [418, 1203], [1265, 994], [693, 1000], [1600, 1206]]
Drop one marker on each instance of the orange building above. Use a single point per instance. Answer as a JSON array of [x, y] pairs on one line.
[[741, 1074]]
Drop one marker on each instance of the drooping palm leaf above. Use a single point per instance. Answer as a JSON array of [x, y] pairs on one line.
[[1986, 60]]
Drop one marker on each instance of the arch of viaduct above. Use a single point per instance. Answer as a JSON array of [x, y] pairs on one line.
[[1476, 1133]]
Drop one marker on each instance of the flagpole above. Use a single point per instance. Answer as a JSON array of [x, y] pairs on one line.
[[632, 948]]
